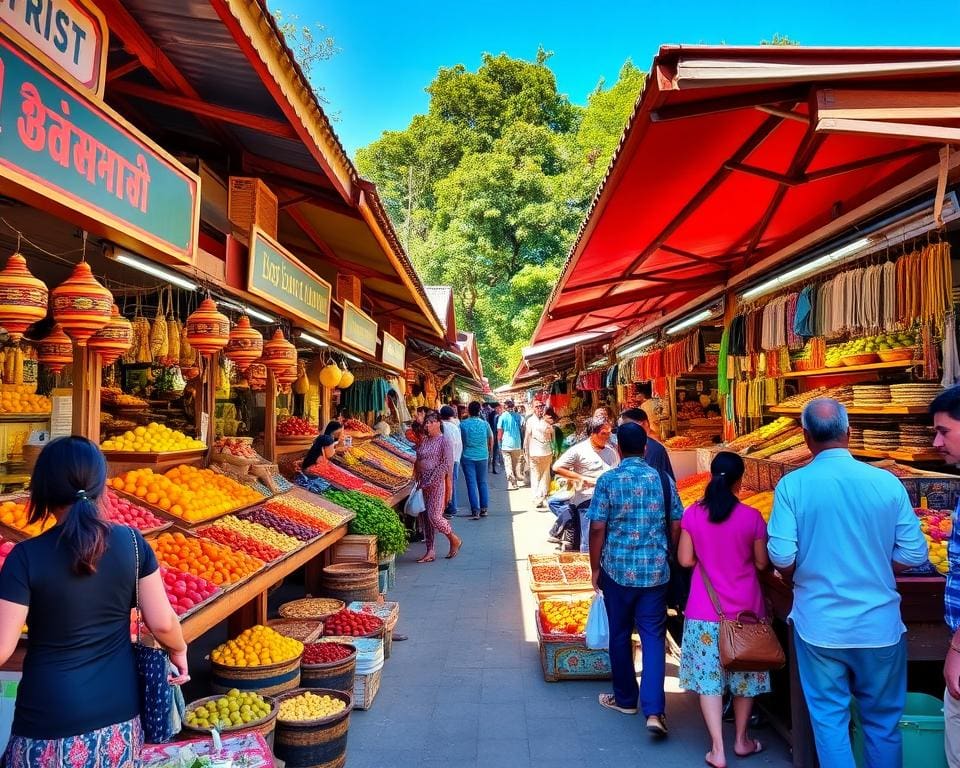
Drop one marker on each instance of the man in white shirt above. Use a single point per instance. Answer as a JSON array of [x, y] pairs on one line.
[[451, 433], [538, 447]]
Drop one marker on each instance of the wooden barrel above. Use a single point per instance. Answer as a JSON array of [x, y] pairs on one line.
[[265, 726], [267, 680], [337, 675], [351, 581], [314, 743]]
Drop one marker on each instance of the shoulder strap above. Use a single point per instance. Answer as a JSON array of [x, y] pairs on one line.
[[667, 503], [711, 591], [136, 579]]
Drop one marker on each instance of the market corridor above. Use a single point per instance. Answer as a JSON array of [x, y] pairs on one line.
[[466, 689]]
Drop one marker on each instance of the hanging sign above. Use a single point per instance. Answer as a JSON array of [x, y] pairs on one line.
[[394, 352], [359, 329], [281, 278], [68, 37], [63, 151]]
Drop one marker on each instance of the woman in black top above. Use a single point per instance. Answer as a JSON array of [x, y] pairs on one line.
[[75, 585], [321, 451]]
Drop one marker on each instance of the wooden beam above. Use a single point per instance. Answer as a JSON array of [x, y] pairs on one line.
[[123, 70], [204, 109], [626, 297], [939, 134], [763, 173], [856, 165], [887, 105], [328, 253], [790, 95], [786, 114], [290, 202], [712, 261]]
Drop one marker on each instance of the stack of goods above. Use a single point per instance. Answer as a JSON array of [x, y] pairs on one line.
[[357, 427], [856, 438], [17, 398], [335, 475], [842, 394], [680, 443], [568, 571], [799, 454], [898, 470], [15, 514], [154, 438], [937, 525], [347, 623], [296, 428], [292, 528], [186, 591], [881, 439], [762, 502], [564, 616], [914, 394], [373, 518], [789, 439], [871, 395], [761, 435], [214, 562], [689, 409], [371, 473], [916, 438], [123, 512], [258, 646]]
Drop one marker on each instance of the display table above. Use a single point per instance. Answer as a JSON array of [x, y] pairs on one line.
[[683, 461]]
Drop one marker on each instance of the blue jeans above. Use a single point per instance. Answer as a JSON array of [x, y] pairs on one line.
[[475, 475], [646, 609], [454, 475], [876, 678]]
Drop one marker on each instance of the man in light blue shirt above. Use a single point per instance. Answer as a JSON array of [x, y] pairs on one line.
[[511, 444], [842, 529]]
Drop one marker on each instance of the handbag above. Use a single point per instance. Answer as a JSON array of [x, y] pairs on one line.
[[747, 643], [415, 504], [153, 667]]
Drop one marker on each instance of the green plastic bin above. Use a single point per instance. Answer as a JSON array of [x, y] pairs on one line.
[[922, 729]]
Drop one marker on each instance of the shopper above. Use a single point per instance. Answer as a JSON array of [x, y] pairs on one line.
[[629, 553], [841, 529], [582, 465], [656, 455], [78, 703], [451, 431], [650, 407], [538, 447], [496, 455], [726, 540], [509, 426], [478, 442], [945, 410], [335, 430], [322, 450], [432, 473]]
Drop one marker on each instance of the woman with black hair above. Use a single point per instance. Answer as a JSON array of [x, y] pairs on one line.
[[725, 541], [320, 452], [75, 584]]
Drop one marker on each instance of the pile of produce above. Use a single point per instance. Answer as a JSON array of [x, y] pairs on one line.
[[325, 516], [296, 427], [214, 562], [576, 573], [789, 439], [154, 438], [397, 446], [290, 511], [547, 574], [679, 443], [240, 543], [258, 646], [261, 533], [762, 502], [372, 474], [384, 459], [568, 617], [357, 426], [761, 435], [298, 630], [335, 475], [325, 653], [124, 512], [937, 525], [690, 409], [236, 447], [691, 488], [184, 590], [17, 398], [310, 608], [115, 397], [310, 706], [233, 710], [280, 523], [373, 518], [16, 514], [349, 623]]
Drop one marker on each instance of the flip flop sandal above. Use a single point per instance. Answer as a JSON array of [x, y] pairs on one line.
[[757, 749], [608, 701]]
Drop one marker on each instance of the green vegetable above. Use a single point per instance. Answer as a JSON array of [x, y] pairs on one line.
[[373, 518]]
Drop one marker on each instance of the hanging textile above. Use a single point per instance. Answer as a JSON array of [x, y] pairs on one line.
[[723, 383], [364, 396], [951, 361], [803, 319]]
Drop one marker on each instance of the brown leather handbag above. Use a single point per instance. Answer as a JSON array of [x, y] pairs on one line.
[[747, 643]]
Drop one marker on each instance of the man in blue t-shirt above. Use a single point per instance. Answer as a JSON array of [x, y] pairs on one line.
[[509, 434]]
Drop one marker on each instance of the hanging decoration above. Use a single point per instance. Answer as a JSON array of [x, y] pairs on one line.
[[113, 339], [286, 376], [23, 298], [81, 305], [208, 330], [257, 376], [56, 350], [330, 375], [279, 355], [245, 345], [346, 378]]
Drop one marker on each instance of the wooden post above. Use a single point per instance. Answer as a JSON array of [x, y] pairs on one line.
[[86, 393], [672, 395], [270, 418], [211, 398], [729, 312]]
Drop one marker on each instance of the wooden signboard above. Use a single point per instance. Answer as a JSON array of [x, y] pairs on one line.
[[359, 329], [394, 352]]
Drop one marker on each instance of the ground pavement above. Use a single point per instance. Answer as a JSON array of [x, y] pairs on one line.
[[466, 689]]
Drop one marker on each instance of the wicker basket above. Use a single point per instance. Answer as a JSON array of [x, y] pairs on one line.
[[896, 355], [268, 680], [351, 581], [314, 743], [314, 608], [264, 726], [337, 675], [251, 203], [304, 630]]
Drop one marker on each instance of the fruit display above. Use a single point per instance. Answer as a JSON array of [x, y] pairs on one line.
[[311, 608], [118, 510], [296, 427], [234, 710], [872, 345], [351, 624], [762, 502], [236, 447], [274, 538], [383, 459], [761, 435], [372, 474], [280, 523], [258, 646], [325, 653], [547, 574], [214, 562], [18, 398], [576, 573], [154, 438], [280, 506], [115, 397], [15, 514], [240, 543], [937, 525], [186, 591], [190, 493], [790, 439], [374, 518], [334, 474], [310, 706], [357, 426], [329, 518], [567, 617], [691, 488]]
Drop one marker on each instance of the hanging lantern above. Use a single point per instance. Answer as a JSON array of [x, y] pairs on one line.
[[286, 376], [257, 376], [346, 379], [23, 298], [330, 375], [279, 354], [113, 339], [56, 350], [245, 345], [81, 305], [190, 372], [208, 331]]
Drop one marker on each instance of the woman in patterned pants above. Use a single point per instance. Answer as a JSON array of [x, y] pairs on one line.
[[433, 473]]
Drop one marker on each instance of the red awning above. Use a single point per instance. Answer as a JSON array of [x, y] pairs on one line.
[[735, 154]]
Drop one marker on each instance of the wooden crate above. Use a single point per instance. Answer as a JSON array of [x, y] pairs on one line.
[[355, 548], [348, 289], [251, 203], [365, 689], [570, 659]]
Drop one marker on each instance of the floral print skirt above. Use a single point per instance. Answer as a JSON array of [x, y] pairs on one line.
[[701, 670], [116, 746]]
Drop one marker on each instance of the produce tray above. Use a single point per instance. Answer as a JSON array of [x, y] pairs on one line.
[[543, 634], [547, 587], [154, 457], [179, 521], [23, 418], [224, 588], [304, 440]]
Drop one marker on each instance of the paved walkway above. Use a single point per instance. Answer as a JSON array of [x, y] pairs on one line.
[[466, 689]]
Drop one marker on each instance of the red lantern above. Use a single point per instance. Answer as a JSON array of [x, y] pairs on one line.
[[81, 305], [280, 355], [208, 331], [245, 345], [113, 339], [23, 298], [56, 350]]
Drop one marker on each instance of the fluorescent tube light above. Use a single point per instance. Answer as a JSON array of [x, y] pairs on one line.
[[352, 357], [154, 270], [263, 317], [805, 269], [304, 336], [638, 346], [692, 320]]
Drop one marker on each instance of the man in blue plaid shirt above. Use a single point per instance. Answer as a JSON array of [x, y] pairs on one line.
[[629, 558]]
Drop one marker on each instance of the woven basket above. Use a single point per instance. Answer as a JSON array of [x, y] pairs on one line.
[[314, 743], [268, 680], [304, 630], [264, 726], [351, 581], [312, 605], [337, 675]]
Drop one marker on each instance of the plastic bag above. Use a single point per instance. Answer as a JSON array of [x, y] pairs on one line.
[[598, 627], [415, 503]]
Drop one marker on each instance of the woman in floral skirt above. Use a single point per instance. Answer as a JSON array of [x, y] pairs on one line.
[[728, 540]]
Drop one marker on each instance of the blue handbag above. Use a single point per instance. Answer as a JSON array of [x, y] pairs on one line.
[[153, 667]]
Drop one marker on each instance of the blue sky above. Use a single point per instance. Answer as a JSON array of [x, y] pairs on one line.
[[390, 51]]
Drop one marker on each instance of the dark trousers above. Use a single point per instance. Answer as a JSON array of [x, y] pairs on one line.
[[643, 608]]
